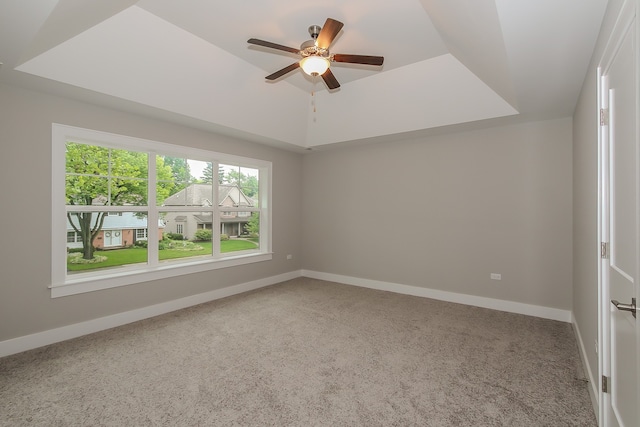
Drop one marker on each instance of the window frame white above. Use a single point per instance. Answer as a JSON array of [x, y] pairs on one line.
[[63, 284]]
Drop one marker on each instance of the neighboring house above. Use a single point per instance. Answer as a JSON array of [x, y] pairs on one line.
[[119, 229], [187, 223]]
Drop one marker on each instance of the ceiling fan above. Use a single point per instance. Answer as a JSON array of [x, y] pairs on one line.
[[316, 58]]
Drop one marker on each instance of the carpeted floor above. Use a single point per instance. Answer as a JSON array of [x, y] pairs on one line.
[[306, 353]]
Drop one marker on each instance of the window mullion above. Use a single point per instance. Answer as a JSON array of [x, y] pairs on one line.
[[152, 213], [215, 205], [265, 207]]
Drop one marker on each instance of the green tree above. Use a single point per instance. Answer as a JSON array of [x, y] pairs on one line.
[[233, 177], [253, 226], [250, 186], [105, 176], [248, 183], [180, 172], [207, 174]]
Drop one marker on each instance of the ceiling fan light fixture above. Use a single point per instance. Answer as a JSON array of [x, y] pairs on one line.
[[314, 65], [315, 54]]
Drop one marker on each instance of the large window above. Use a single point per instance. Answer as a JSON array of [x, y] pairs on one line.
[[127, 210]]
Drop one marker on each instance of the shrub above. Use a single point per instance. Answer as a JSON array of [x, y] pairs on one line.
[[203, 235], [141, 243], [76, 258], [175, 236], [224, 237]]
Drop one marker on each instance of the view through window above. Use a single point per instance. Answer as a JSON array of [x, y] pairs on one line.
[[134, 205]]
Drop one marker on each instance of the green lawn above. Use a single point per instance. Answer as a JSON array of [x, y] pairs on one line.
[[117, 257]]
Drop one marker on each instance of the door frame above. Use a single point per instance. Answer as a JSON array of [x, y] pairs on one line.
[[625, 18]]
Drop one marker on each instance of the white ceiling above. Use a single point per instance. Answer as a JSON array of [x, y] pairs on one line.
[[447, 62]]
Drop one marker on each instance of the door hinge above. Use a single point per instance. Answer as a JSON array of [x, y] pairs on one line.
[[604, 116], [605, 384], [604, 250]]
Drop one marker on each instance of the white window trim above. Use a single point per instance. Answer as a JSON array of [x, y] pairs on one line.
[[64, 285]]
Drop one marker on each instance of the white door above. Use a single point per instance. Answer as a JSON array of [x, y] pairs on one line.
[[620, 224], [112, 238]]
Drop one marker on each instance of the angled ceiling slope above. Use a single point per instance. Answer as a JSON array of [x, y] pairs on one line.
[[447, 62]]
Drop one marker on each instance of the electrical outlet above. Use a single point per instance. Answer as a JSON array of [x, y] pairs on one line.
[[496, 276]]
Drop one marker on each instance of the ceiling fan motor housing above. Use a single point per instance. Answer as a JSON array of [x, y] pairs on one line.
[[309, 47]]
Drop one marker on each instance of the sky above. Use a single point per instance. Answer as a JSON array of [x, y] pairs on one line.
[[196, 167]]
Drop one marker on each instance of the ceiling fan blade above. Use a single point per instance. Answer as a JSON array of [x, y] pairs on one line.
[[284, 71], [359, 59], [329, 32], [330, 79], [273, 45]]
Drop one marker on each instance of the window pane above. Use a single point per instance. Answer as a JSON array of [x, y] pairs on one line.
[[230, 174], [86, 159], [238, 175], [128, 164], [172, 176], [201, 171], [186, 235], [249, 184], [239, 231], [245, 179], [115, 240], [184, 182], [103, 176]]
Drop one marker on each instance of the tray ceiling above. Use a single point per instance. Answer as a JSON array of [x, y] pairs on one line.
[[447, 62]]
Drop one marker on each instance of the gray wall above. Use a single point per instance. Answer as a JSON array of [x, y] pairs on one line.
[[443, 212], [25, 136], [440, 212], [585, 200]]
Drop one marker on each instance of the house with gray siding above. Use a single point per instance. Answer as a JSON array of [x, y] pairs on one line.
[[232, 223], [119, 230]]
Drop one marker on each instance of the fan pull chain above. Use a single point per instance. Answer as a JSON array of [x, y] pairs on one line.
[[313, 96]]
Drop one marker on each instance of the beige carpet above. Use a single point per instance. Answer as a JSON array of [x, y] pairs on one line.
[[306, 353]]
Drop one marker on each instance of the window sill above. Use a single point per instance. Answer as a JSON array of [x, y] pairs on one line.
[[89, 283]]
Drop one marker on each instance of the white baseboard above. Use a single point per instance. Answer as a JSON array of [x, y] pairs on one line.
[[593, 389], [28, 342], [494, 304]]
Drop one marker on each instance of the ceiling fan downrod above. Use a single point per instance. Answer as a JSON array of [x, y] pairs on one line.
[[314, 31]]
